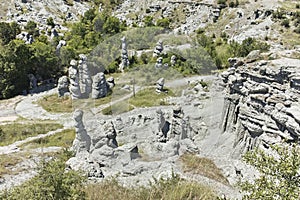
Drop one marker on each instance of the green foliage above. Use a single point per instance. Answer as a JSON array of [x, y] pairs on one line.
[[164, 22], [52, 182], [148, 21], [20, 131], [222, 1], [279, 174], [148, 98], [50, 22], [63, 139], [8, 31], [220, 51], [45, 63], [31, 27], [285, 23]]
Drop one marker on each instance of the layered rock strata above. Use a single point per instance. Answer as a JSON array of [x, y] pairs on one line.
[[262, 103]]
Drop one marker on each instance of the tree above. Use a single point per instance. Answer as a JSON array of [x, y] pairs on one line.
[[279, 174]]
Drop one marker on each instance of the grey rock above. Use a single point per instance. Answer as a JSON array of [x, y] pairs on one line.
[[100, 88], [63, 86]]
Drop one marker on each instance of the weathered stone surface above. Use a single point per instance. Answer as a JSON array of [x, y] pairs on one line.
[[63, 86], [74, 87], [160, 85], [158, 49], [261, 108], [124, 55], [100, 87], [82, 140]]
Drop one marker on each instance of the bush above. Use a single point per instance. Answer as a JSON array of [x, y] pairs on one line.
[[50, 22], [148, 21], [279, 174], [52, 182], [165, 23], [285, 23]]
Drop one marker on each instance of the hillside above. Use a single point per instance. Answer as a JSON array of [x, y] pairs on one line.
[[169, 92]]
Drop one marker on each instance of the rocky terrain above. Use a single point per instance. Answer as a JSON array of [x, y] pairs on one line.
[[221, 115]]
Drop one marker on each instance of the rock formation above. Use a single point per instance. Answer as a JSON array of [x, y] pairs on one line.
[[74, 87], [159, 64], [124, 55], [160, 85], [85, 80], [82, 140], [100, 87], [262, 104], [158, 49], [173, 60], [63, 86]]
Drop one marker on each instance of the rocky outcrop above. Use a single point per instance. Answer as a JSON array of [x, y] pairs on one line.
[[262, 104], [100, 87], [62, 86]]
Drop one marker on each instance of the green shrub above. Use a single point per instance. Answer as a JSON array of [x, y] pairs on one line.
[[285, 23], [148, 21], [279, 174], [164, 22], [51, 182], [50, 22]]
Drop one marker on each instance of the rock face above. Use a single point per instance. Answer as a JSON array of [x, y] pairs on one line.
[[100, 87], [262, 104]]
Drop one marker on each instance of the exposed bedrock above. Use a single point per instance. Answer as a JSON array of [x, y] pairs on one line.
[[262, 103]]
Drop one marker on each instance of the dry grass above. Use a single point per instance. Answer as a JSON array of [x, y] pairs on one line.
[[149, 98], [8, 161], [167, 189], [202, 166]]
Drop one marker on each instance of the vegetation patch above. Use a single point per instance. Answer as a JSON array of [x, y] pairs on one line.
[[56, 104], [167, 189], [117, 108], [53, 103], [202, 166], [149, 98], [51, 182], [63, 139], [11, 133]]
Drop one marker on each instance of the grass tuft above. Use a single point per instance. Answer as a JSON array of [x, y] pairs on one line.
[[202, 166], [167, 189]]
